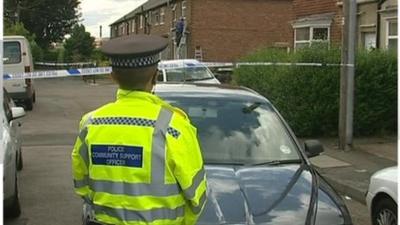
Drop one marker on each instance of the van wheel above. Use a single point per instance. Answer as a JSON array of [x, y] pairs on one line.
[[15, 208], [29, 104]]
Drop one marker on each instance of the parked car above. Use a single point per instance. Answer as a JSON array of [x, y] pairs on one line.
[[18, 59], [382, 197], [257, 171], [15, 127], [185, 70], [9, 156]]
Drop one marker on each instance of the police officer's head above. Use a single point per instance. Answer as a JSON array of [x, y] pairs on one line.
[[134, 60]]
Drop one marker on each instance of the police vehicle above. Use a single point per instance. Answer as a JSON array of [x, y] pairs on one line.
[[185, 70]]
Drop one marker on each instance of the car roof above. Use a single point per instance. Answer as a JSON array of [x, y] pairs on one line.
[[180, 61], [205, 90], [14, 37]]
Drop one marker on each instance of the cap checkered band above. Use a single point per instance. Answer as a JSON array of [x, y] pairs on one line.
[[132, 121], [135, 62]]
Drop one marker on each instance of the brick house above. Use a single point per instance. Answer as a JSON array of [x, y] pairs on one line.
[[216, 30], [316, 21], [322, 20]]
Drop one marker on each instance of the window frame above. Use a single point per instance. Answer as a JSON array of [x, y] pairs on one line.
[[162, 15], [391, 37], [133, 26], [183, 9], [20, 52], [141, 22], [311, 35], [174, 13]]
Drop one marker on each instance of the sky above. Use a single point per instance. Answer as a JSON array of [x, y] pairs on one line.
[[105, 12]]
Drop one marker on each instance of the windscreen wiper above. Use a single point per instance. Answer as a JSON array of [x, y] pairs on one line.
[[278, 162], [196, 79], [225, 163], [251, 107]]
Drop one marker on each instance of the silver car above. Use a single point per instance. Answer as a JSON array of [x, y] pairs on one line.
[[10, 154]]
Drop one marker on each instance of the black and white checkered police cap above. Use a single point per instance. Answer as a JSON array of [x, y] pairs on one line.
[[134, 51]]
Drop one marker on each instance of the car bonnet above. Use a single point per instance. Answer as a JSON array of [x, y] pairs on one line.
[[265, 195]]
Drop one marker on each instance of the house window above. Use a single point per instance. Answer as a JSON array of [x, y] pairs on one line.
[[391, 34], [184, 9], [156, 15], [133, 28], [141, 22], [162, 15], [115, 31], [368, 40], [174, 16], [305, 36], [149, 16]]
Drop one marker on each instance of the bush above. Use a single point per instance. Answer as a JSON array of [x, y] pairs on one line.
[[308, 97]]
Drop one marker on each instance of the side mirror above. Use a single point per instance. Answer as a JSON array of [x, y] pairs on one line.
[[313, 148], [17, 112]]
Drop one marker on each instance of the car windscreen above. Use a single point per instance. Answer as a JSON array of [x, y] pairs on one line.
[[189, 72], [238, 131], [12, 52]]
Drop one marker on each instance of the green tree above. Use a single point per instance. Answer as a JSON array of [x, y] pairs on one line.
[[49, 20], [19, 29], [79, 47]]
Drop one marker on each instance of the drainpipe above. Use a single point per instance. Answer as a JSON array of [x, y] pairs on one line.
[[378, 24]]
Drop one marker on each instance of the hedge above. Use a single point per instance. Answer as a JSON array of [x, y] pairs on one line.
[[308, 96]]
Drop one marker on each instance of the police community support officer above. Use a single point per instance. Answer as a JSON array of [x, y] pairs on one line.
[[137, 160]]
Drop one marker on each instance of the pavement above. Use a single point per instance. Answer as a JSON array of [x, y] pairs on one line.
[[349, 171]]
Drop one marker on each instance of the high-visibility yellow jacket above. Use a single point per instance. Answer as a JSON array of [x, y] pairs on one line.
[[138, 161]]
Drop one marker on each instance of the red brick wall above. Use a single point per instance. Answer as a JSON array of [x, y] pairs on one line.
[[227, 30], [302, 8]]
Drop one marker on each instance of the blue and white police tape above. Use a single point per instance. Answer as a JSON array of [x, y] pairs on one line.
[[238, 64], [58, 73], [108, 70]]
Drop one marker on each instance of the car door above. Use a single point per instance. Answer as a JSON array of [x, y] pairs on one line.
[[14, 125], [9, 154]]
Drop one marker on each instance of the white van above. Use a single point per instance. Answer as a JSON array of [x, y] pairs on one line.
[[18, 59]]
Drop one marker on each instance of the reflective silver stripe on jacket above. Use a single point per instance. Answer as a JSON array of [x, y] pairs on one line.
[[83, 149], [141, 216], [134, 189], [197, 209], [158, 152], [191, 191], [84, 152]]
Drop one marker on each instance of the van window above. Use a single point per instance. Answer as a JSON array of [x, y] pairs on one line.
[[12, 52]]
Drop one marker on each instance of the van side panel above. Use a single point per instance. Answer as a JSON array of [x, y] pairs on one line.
[[17, 57]]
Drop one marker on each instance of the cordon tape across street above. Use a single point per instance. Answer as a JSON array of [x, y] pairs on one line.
[[108, 70], [59, 73]]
